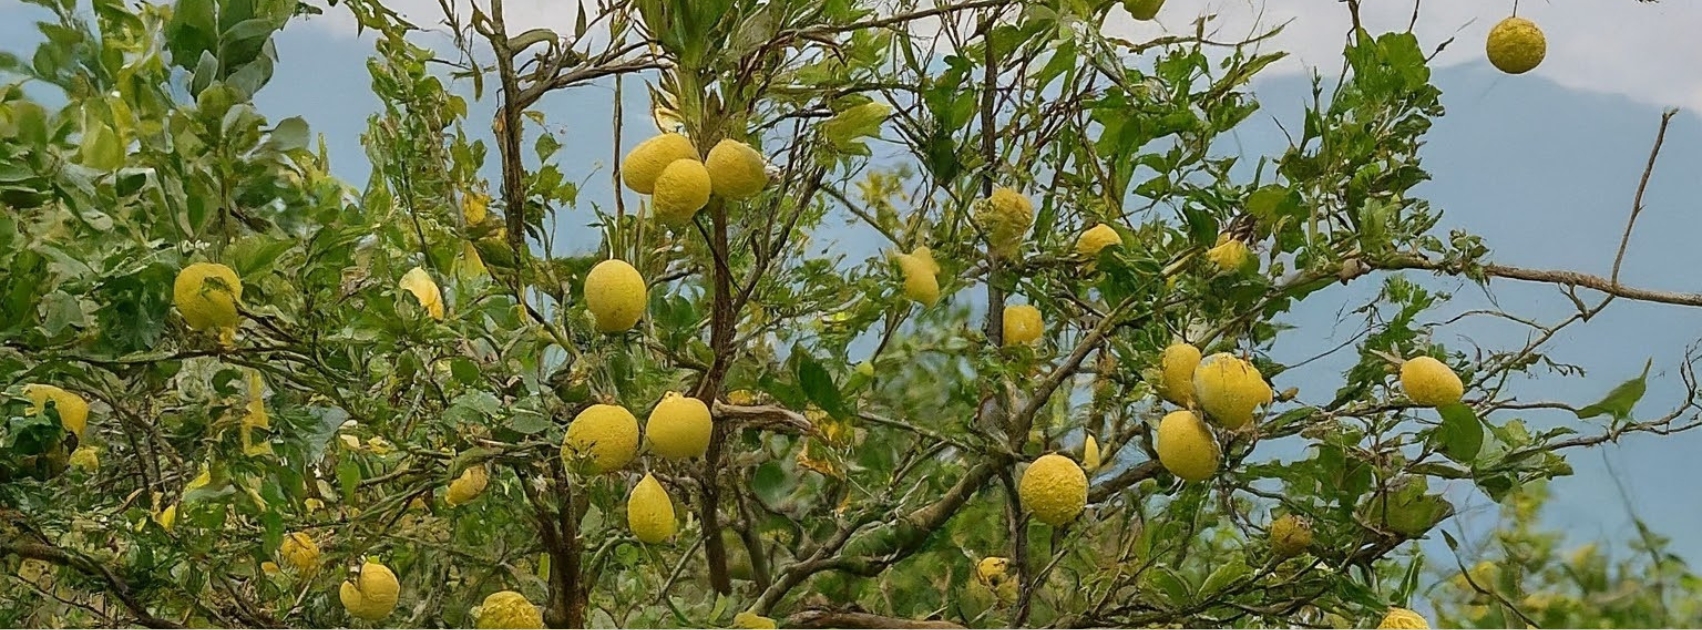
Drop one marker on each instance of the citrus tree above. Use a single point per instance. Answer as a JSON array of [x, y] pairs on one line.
[[673, 392]]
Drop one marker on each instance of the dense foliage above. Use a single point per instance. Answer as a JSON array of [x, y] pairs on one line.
[[406, 358]]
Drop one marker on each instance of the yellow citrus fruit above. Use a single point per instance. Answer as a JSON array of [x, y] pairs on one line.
[[508, 609], [1143, 9], [679, 427], [1290, 535], [1230, 389], [1430, 382], [649, 511], [736, 171], [1006, 218], [475, 207], [1022, 325], [921, 281], [607, 434], [73, 410], [1176, 366], [616, 295], [645, 162], [372, 594], [207, 295], [419, 283], [1186, 447], [1054, 488], [1097, 238], [681, 190], [752, 621], [1229, 255], [1090, 454], [1516, 45], [991, 570], [85, 459], [468, 486], [298, 550], [1404, 619]]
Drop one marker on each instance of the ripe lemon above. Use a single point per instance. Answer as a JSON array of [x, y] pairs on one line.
[[298, 550], [679, 427], [616, 295], [1022, 325], [1230, 255], [1430, 382], [645, 162], [73, 410], [1176, 366], [207, 295], [1143, 9], [649, 511], [1290, 535], [1229, 389], [736, 171], [468, 486], [372, 594], [607, 434], [86, 459], [681, 190], [508, 609], [991, 570], [1054, 488], [1095, 239], [1404, 619], [1186, 447], [1516, 45], [753, 621], [1006, 217], [921, 281]]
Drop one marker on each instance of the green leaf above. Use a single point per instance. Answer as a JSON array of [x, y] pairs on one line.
[[1619, 402], [1461, 435], [253, 255], [100, 149], [291, 134], [818, 385], [1225, 576], [526, 421]]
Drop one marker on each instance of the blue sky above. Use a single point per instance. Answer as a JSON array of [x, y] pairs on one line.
[[1543, 166]]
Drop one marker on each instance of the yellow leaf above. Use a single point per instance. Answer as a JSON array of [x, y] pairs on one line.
[[419, 283]]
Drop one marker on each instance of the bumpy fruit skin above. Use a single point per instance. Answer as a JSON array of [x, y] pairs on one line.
[[298, 550], [1229, 389], [1023, 325], [1405, 619], [468, 486], [1006, 218], [1090, 454], [1516, 46], [921, 276], [736, 171], [508, 609], [1097, 238], [1054, 488], [1430, 382], [207, 294], [1143, 9], [681, 190], [753, 621], [1230, 255], [419, 283], [649, 512], [679, 427], [85, 459], [645, 162], [73, 410], [372, 594], [1186, 447], [616, 295], [608, 434], [1177, 364], [1290, 535], [991, 570]]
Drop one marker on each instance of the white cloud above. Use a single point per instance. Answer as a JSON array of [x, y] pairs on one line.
[[1648, 52]]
